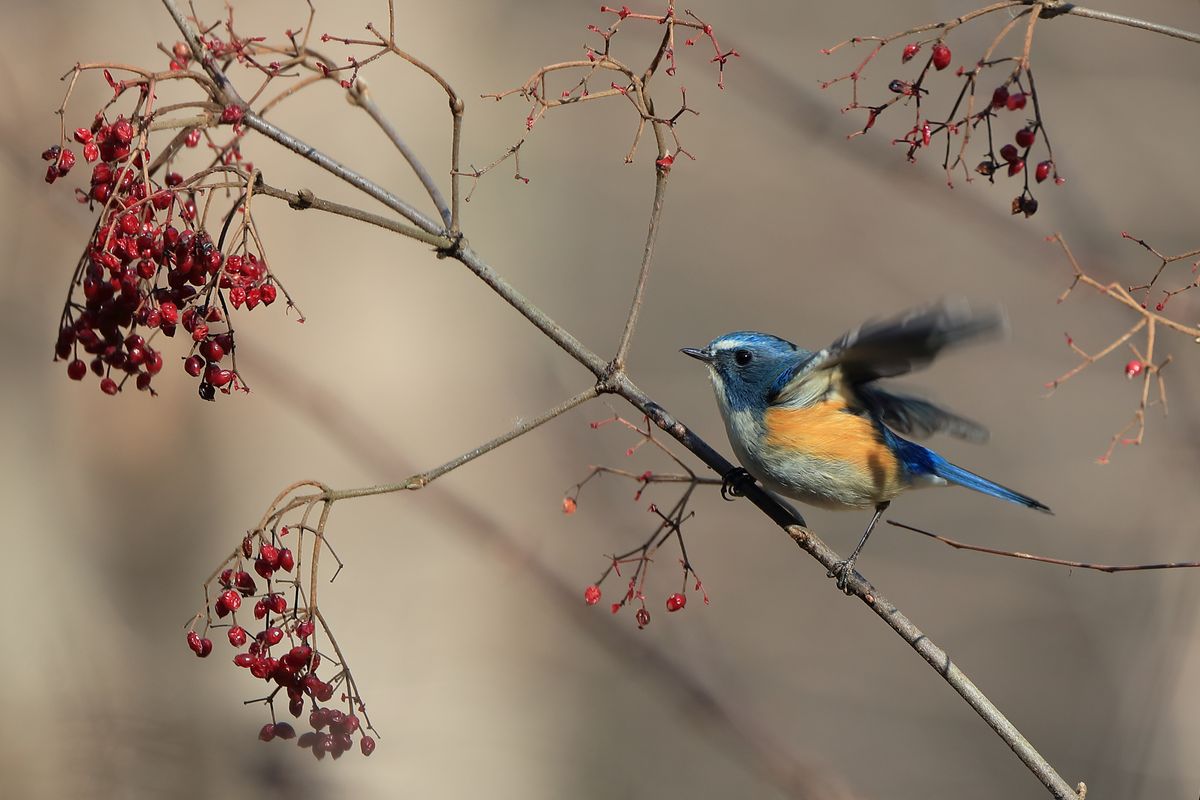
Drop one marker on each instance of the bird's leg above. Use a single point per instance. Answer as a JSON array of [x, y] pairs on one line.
[[733, 483], [842, 570]]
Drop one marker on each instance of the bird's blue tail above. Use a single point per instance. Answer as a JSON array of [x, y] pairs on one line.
[[961, 477], [920, 460]]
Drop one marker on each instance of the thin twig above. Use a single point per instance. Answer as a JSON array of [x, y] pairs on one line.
[[660, 189], [304, 199], [362, 98], [1062, 562], [1120, 19]]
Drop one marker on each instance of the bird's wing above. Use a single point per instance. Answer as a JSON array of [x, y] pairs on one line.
[[913, 416], [889, 347]]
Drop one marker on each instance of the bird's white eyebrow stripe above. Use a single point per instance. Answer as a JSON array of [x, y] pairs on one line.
[[729, 343]]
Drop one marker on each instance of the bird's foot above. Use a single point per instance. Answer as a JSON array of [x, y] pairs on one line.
[[734, 482], [842, 570]]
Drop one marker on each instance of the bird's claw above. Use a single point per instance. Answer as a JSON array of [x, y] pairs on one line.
[[733, 483], [842, 570]]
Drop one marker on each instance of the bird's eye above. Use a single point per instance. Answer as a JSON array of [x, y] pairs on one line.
[[743, 357]]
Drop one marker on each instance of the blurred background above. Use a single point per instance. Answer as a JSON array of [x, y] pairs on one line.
[[460, 606]]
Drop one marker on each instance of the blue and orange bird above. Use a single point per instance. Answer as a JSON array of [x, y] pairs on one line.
[[817, 428]]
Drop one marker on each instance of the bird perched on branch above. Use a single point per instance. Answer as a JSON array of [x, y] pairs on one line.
[[815, 426]]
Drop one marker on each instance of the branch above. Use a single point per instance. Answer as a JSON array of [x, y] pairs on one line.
[[755, 747], [1120, 19], [304, 199], [270, 131], [611, 378]]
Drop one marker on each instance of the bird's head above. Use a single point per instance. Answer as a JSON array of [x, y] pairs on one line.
[[744, 366]]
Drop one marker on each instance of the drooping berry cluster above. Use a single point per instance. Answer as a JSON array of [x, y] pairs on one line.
[[973, 109], [151, 265], [669, 527], [282, 653]]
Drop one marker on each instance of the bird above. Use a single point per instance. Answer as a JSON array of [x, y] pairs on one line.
[[818, 428]]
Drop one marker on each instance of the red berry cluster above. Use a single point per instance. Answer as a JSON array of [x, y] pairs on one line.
[[282, 654], [148, 269], [676, 601], [971, 113]]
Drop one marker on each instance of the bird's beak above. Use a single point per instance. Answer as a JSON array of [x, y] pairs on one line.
[[699, 355]]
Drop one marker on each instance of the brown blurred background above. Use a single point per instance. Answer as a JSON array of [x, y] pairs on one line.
[[486, 679]]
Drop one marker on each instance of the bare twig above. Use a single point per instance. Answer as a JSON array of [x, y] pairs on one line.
[[1062, 562], [362, 98], [1132, 22]]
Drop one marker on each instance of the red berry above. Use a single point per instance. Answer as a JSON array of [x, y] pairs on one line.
[[169, 311], [76, 370], [999, 97], [642, 617], [193, 640], [284, 730], [1009, 153], [367, 745], [154, 362], [1133, 369], [676, 601], [237, 636], [268, 293], [1016, 166], [193, 137], [1042, 171], [213, 351], [1025, 137], [286, 560], [591, 595], [231, 114], [193, 366], [122, 131], [109, 386], [306, 629], [267, 733], [272, 635], [66, 160], [245, 583], [1015, 101], [910, 50], [231, 599], [83, 135], [270, 554], [941, 56]]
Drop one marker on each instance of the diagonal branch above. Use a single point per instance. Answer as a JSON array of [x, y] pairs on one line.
[[611, 378]]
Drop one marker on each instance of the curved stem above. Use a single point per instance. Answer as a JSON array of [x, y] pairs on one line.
[[362, 98], [660, 190]]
